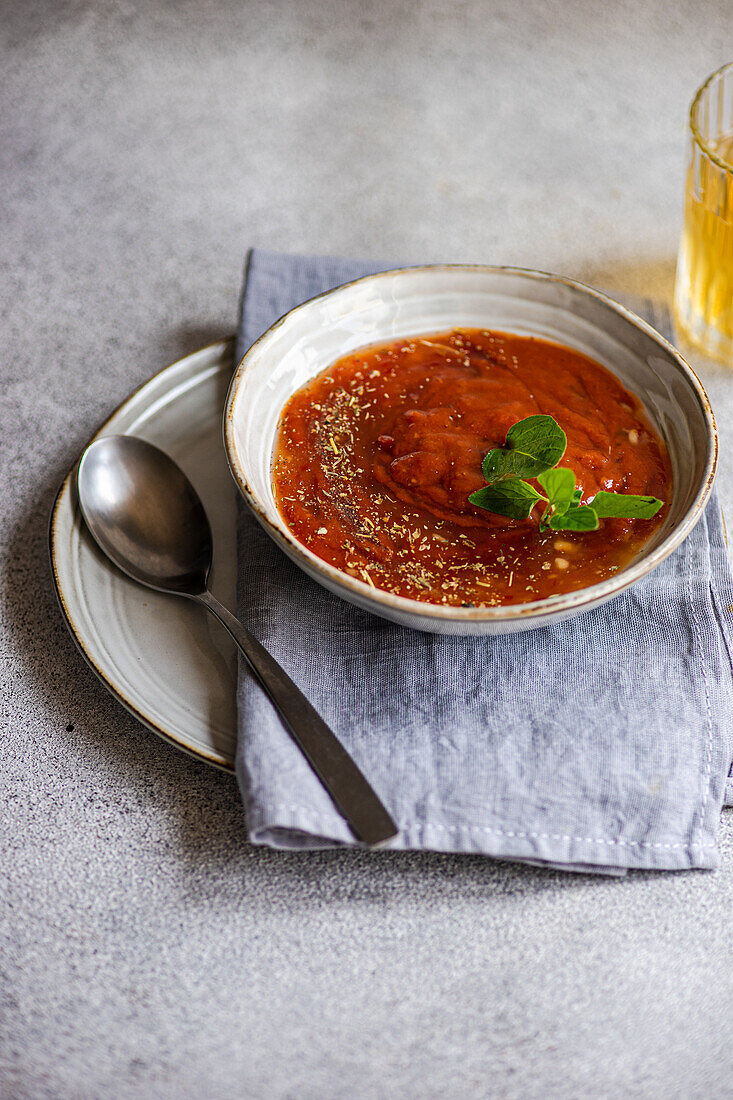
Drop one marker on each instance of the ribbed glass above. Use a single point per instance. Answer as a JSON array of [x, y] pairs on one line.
[[704, 285]]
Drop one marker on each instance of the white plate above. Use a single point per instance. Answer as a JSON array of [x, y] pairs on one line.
[[165, 659]]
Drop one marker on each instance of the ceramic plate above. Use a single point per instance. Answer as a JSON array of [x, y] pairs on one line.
[[165, 659]]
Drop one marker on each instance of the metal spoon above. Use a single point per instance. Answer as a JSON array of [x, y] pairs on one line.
[[147, 517]]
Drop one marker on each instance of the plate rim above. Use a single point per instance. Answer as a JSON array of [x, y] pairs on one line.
[[228, 346]]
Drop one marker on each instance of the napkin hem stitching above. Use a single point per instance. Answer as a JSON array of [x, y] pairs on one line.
[[406, 826], [701, 651]]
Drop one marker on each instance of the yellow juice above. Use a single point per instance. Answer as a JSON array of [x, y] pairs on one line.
[[704, 287]]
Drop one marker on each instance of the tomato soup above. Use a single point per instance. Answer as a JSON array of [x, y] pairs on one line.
[[376, 458]]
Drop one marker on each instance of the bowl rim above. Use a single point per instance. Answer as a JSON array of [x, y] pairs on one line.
[[550, 606]]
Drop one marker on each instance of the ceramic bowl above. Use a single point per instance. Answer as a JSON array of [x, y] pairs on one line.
[[413, 301]]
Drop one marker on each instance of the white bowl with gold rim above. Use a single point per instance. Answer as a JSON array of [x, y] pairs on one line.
[[422, 300]]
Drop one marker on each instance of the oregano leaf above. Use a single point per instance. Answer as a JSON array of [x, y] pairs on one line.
[[579, 517], [514, 498], [533, 445], [624, 506], [559, 484]]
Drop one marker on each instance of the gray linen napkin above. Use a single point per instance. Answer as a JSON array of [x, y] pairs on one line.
[[603, 743]]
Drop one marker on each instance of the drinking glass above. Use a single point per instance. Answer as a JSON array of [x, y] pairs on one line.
[[704, 284]]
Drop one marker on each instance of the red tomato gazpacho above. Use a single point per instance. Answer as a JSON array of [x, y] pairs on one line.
[[376, 458]]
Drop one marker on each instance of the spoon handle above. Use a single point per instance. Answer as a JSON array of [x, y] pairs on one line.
[[365, 814]]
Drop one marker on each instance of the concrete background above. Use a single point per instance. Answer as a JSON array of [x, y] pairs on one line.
[[146, 950]]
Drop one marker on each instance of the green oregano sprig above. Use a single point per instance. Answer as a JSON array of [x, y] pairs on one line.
[[534, 446]]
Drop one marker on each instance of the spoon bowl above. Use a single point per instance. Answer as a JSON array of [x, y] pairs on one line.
[[145, 514]]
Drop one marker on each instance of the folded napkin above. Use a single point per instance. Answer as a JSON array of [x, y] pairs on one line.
[[602, 743]]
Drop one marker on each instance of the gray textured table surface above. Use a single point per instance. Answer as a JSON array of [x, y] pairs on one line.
[[146, 950]]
